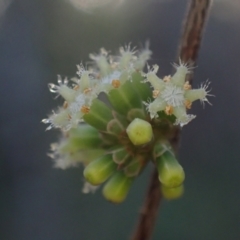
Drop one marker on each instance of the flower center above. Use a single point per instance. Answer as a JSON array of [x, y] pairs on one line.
[[173, 95]]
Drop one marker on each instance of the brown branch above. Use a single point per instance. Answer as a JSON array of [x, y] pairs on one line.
[[193, 28], [189, 46], [149, 211]]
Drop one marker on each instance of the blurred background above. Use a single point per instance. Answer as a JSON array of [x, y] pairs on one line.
[[40, 39]]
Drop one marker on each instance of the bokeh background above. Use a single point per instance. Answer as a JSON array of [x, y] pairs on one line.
[[40, 39]]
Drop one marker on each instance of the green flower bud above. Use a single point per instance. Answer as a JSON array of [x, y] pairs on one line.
[[139, 132], [124, 98], [143, 89], [89, 155], [117, 188], [99, 115], [100, 170], [83, 137], [172, 193], [170, 172]]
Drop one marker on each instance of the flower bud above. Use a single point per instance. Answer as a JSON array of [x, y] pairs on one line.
[[84, 137], [124, 98], [117, 188], [170, 172], [172, 193], [143, 89], [139, 132], [99, 115], [100, 170]]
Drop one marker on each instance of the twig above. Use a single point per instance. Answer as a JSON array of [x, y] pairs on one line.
[[149, 211], [189, 46], [193, 28]]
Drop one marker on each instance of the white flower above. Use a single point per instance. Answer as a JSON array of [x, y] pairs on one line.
[[62, 159], [59, 119], [63, 90], [174, 95]]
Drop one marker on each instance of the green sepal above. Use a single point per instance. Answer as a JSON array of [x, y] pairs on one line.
[[170, 172], [143, 88], [117, 187], [115, 127], [99, 115], [135, 166], [108, 139], [120, 156], [124, 98], [100, 170], [159, 149]]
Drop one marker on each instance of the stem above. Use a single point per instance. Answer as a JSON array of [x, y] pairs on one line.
[[149, 211], [193, 28], [196, 18]]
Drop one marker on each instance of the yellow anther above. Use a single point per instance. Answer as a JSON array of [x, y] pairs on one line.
[[87, 90], [65, 104], [85, 109], [188, 104], [155, 93], [168, 110], [113, 65], [187, 86], [76, 87], [116, 83], [167, 78]]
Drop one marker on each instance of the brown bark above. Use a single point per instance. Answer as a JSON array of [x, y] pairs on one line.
[[193, 29], [149, 210]]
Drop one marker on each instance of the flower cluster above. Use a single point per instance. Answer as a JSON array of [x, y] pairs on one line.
[[116, 143]]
